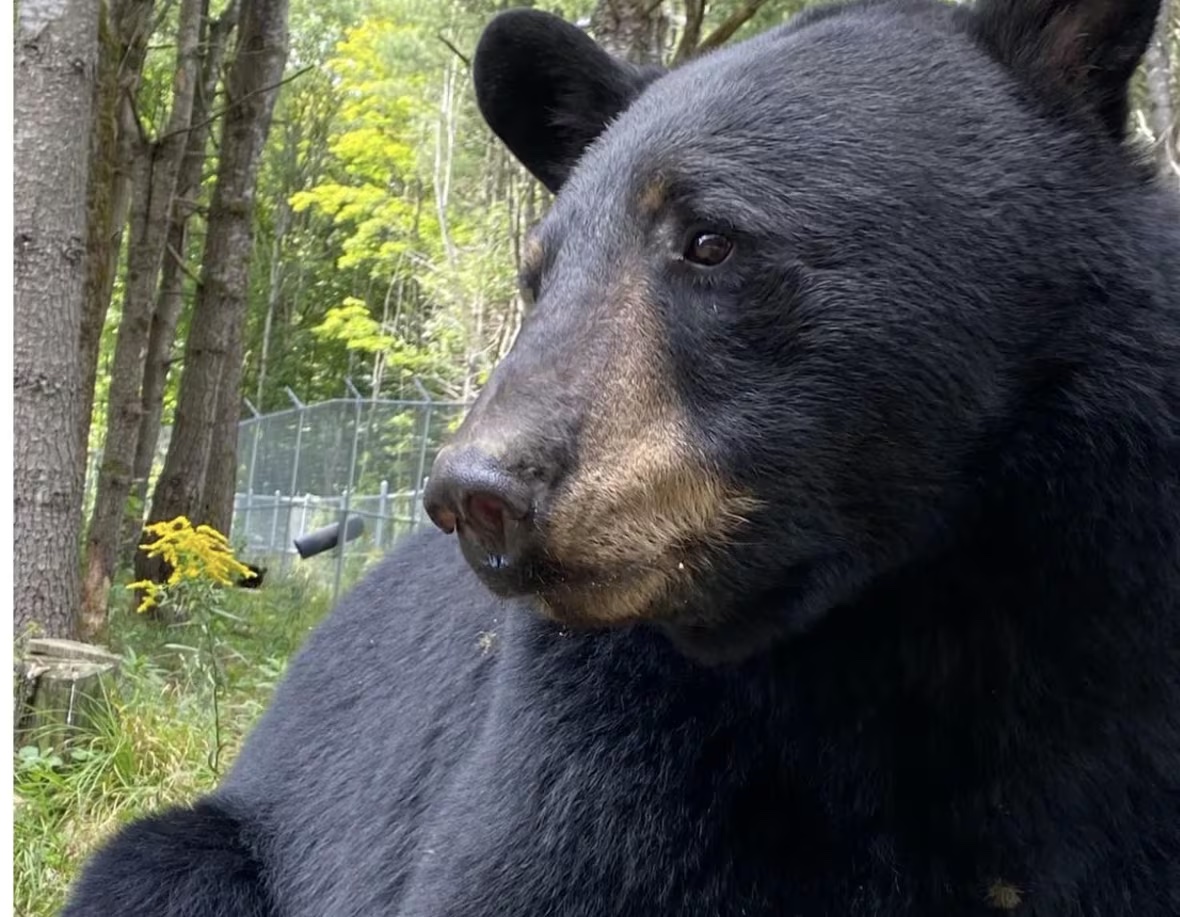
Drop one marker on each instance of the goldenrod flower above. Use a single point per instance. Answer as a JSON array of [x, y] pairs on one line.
[[151, 593], [194, 554]]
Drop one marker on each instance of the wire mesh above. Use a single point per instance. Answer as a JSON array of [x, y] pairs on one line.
[[312, 466]]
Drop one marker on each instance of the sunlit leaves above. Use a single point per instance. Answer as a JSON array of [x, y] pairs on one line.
[[352, 324]]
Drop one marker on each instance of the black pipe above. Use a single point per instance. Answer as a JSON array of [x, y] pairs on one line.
[[325, 539]]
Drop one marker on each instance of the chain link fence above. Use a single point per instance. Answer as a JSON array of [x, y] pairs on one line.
[[358, 459]]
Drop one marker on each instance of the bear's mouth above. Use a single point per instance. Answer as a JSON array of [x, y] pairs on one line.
[[521, 574], [576, 596], [508, 574]]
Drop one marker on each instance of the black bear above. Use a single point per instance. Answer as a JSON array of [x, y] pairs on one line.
[[817, 541]]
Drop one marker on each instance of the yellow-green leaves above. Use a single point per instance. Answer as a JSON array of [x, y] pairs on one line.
[[352, 324]]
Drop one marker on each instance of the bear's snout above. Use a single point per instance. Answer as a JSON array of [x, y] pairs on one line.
[[491, 505]]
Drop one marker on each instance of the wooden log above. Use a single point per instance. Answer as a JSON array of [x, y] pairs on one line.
[[69, 649], [61, 686]]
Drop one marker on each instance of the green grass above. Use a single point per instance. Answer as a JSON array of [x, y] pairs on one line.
[[155, 741]]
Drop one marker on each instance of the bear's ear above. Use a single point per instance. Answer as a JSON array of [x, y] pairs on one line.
[[1084, 49], [547, 90]]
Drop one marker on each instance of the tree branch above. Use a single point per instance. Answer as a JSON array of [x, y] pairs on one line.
[[694, 17], [188, 271], [459, 54], [725, 31], [230, 107]]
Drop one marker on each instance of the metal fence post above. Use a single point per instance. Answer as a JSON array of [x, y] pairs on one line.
[[382, 510], [256, 421], [343, 542], [274, 521], [299, 421], [415, 513]]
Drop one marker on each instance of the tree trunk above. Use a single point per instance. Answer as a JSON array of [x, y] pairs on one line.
[[690, 35], [212, 357], [55, 62], [221, 475], [62, 688], [156, 169], [170, 299], [123, 35], [634, 30]]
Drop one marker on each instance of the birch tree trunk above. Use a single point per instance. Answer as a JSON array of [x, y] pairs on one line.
[[202, 455], [54, 70], [154, 179]]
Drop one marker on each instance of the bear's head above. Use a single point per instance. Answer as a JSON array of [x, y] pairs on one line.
[[788, 298]]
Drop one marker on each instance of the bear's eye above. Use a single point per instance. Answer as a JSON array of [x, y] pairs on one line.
[[708, 249]]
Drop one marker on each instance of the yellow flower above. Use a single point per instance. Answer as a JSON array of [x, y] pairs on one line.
[[151, 593], [194, 554], [212, 534]]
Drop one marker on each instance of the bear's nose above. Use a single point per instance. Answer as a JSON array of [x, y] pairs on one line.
[[471, 492]]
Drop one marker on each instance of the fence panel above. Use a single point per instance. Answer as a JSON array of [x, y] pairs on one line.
[[314, 465]]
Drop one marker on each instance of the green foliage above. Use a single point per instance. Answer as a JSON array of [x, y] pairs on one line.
[[158, 743], [393, 212], [352, 324]]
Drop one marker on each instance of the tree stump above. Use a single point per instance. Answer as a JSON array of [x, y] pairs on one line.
[[61, 686]]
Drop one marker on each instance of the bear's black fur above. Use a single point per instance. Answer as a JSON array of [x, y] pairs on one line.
[[253, 579], [934, 669], [183, 863]]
